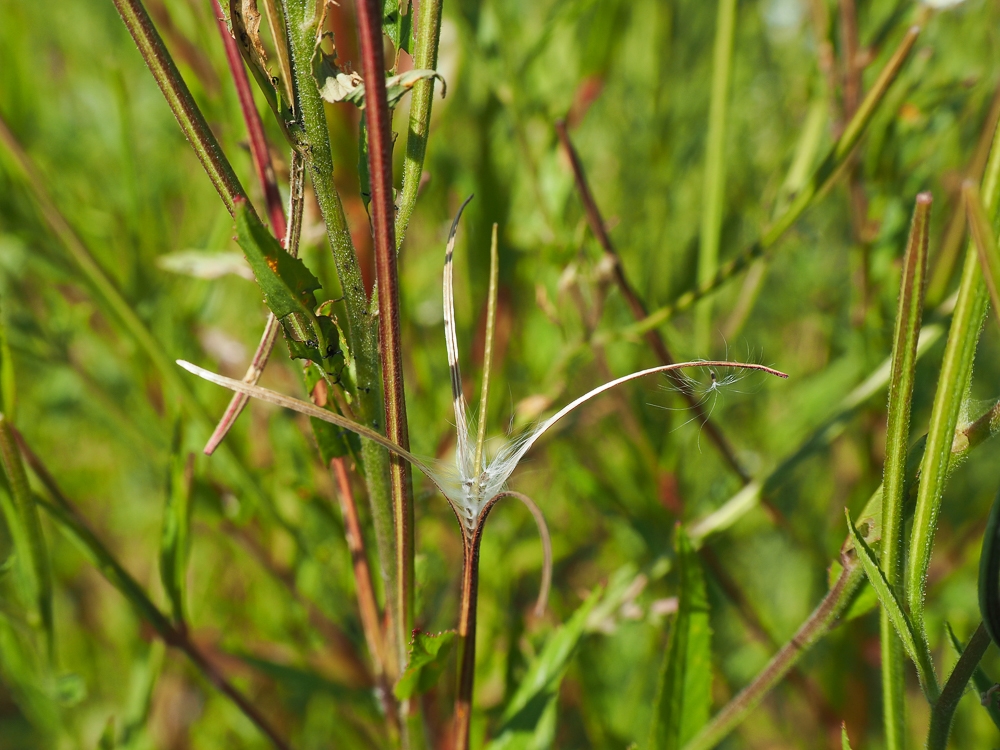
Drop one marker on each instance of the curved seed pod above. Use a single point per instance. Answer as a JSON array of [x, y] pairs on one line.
[[989, 573]]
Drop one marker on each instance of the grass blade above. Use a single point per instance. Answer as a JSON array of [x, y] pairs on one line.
[[684, 695], [981, 680], [901, 379], [174, 539], [914, 644]]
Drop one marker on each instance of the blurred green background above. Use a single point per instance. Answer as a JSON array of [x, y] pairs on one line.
[[271, 596]]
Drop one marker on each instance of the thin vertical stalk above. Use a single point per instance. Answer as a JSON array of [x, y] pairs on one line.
[[426, 36], [954, 689], [259, 152], [901, 379], [302, 22], [635, 304], [713, 187], [378, 120], [956, 372], [491, 319], [467, 632], [176, 92]]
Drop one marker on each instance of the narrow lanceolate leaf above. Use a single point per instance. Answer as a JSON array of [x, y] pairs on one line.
[[845, 742], [176, 528], [985, 241], [491, 319], [429, 654], [27, 530], [913, 644], [901, 378], [529, 719], [684, 696], [289, 291]]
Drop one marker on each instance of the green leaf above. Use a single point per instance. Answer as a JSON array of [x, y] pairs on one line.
[[289, 291], [336, 85], [845, 743], [914, 645], [529, 719], [364, 174], [684, 695], [428, 657], [71, 690], [397, 22], [176, 529], [8, 388]]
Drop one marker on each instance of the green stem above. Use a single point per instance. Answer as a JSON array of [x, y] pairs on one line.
[[426, 35], [713, 189], [176, 92], [302, 27], [956, 372], [954, 689], [901, 379]]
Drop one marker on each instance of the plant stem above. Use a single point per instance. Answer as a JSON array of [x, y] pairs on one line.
[[302, 28], [378, 120], [491, 319], [713, 187], [176, 92], [956, 372], [73, 522], [954, 688], [426, 36], [635, 304], [259, 151], [901, 380], [827, 171]]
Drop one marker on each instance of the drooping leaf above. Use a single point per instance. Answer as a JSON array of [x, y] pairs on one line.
[[684, 695], [176, 527], [337, 85], [428, 657], [529, 719], [914, 645]]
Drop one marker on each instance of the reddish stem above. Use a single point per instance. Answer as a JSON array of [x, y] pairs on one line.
[[255, 128], [378, 120]]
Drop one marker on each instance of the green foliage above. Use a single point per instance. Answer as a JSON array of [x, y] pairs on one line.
[[247, 552], [684, 696], [429, 654]]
